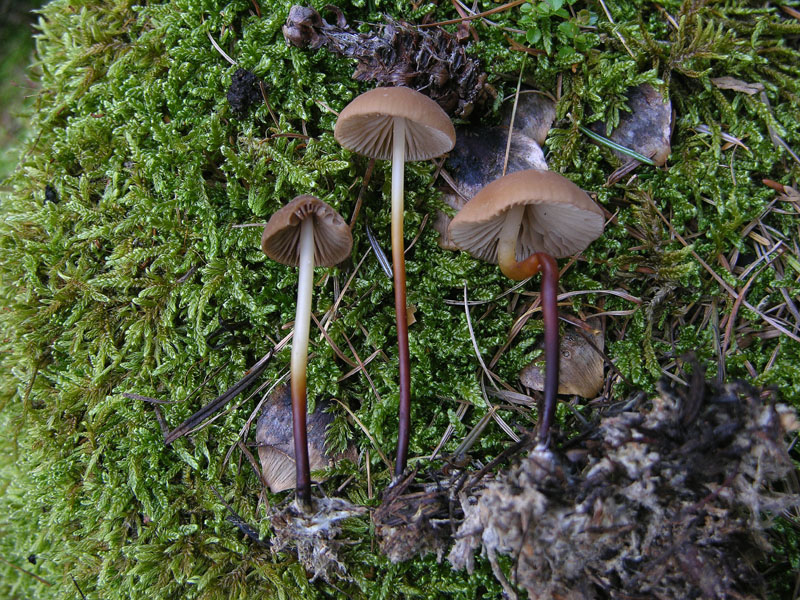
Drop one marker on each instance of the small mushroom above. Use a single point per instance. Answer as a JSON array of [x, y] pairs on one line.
[[536, 216], [304, 233], [398, 124]]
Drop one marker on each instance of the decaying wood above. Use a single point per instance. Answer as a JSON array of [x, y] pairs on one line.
[[430, 60], [667, 497]]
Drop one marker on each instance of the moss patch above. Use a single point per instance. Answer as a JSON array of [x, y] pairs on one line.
[[117, 287]]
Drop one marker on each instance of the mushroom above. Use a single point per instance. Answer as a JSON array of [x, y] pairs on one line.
[[535, 215], [398, 124], [304, 233]]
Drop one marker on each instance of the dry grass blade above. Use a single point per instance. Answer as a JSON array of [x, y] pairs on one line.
[[489, 374], [486, 13], [20, 569], [238, 521], [723, 283], [253, 415], [220, 401], [510, 290], [514, 397], [359, 368], [364, 185], [327, 318], [332, 344], [146, 398], [513, 115], [726, 341], [617, 33], [220, 50], [725, 136], [496, 416], [460, 412], [379, 253], [362, 368], [474, 434]]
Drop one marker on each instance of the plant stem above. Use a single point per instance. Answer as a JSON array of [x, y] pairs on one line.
[[302, 324], [517, 270], [399, 268]]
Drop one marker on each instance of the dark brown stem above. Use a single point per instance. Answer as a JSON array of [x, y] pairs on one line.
[[404, 413], [541, 261], [300, 436]]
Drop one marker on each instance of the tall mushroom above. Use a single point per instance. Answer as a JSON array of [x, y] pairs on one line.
[[402, 125], [305, 233], [521, 222]]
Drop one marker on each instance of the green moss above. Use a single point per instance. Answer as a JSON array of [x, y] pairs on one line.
[[116, 287]]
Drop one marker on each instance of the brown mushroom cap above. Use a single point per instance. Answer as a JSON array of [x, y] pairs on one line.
[[560, 218], [332, 238], [366, 124]]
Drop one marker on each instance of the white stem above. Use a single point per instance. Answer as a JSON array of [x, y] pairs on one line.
[[305, 284], [398, 167], [507, 242]]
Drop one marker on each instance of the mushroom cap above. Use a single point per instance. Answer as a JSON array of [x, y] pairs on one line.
[[332, 238], [366, 125], [559, 219]]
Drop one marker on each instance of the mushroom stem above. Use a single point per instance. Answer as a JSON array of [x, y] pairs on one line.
[[539, 261], [302, 323], [399, 269]]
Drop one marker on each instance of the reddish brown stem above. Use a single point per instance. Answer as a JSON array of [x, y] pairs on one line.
[[404, 413], [541, 261], [300, 435]]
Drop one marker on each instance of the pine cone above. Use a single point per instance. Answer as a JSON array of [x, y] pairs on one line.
[[429, 60]]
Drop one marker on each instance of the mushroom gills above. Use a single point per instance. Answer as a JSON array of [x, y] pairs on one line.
[[533, 236], [377, 141]]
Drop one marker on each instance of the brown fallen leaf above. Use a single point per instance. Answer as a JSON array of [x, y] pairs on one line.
[[275, 443], [580, 368]]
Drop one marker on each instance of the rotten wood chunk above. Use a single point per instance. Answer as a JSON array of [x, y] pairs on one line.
[[667, 502], [429, 60], [275, 444], [580, 368]]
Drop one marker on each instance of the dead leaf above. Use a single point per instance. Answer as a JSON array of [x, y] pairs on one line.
[[580, 368], [275, 442], [737, 85], [534, 118]]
